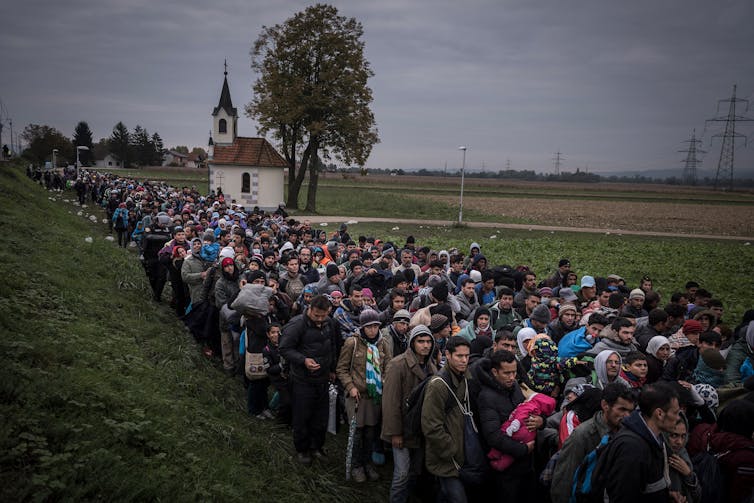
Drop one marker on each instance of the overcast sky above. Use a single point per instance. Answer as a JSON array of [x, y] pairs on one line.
[[613, 85]]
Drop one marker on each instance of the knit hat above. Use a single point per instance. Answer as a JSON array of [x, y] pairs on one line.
[[439, 321], [713, 359], [252, 276], [692, 327], [367, 293], [636, 293], [369, 317], [541, 313], [440, 291], [402, 315], [564, 261], [564, 308], [417, 331], [545, 291], [331, 270], [227, 261]]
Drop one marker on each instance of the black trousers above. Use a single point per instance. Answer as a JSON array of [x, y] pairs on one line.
[[310, 406]]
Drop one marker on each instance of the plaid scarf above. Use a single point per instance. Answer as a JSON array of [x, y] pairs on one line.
[[373, 375]]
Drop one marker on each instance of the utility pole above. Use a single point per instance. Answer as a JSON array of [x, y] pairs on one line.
[[507, 164], [728, 147], [558, 157], [689, 170]]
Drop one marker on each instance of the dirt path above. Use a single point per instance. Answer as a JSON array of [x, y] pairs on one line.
[[494, 225]]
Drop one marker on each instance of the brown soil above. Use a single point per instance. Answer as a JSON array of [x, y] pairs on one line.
[[634, 216]]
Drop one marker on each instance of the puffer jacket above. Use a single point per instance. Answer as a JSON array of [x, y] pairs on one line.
[[443, 430], [403, 374], [302, 339], [495, 404]]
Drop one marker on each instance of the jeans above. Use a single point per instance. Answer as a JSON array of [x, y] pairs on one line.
[[451, 490], [407, 465]]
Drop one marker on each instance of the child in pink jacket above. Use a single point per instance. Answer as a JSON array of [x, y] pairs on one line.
[[536, 404]]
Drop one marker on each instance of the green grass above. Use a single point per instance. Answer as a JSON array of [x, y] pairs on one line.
[[105, 397]]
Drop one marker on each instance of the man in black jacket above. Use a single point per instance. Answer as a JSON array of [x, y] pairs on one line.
[[634, 466], [499, 395], [308, 344]]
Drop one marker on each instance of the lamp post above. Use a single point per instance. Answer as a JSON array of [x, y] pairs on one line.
[[78, 163], [54, 151], [463, 169]]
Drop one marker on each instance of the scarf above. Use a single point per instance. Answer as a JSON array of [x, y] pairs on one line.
[[373, 374]]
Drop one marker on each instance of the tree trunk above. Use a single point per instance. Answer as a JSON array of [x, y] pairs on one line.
[[294, 188], [311, 196]]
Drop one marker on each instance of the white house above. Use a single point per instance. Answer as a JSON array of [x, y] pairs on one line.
[[247, 170], [108, 162]]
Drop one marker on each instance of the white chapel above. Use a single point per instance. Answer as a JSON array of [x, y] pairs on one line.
[[248, 170]]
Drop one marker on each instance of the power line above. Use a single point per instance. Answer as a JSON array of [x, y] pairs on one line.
[[558, 157], [726, 163], [689, 170]]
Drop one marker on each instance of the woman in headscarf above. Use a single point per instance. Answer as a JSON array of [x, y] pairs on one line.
[[480, 327], [658, 354], [522, 338], [682, 477]]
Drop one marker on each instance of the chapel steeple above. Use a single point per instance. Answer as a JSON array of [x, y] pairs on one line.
[[224, 116]]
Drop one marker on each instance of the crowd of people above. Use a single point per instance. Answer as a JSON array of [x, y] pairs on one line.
[[572, 387]]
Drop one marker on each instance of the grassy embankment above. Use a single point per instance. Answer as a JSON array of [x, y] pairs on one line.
[[102, 393]]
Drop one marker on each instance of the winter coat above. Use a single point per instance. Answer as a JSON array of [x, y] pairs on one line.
[[681, 365], [351, 369], [548, 371], [737, 465], [574, 343], [120, 219], [302, 339], [443, 430], [737, 355], [403, 374], [580, 443], [633, 464], [612, 345], [466, 306], [557, 330], [191, 274], [499, 319], [226, 290], [495, 404]]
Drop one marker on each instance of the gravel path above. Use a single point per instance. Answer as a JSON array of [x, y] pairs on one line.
[[493, 225]]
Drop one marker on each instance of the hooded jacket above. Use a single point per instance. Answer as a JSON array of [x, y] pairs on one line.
[[739, 352], [634, 465], [403, 374]]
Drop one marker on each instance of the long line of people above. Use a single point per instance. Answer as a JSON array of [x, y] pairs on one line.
[[543, 368]]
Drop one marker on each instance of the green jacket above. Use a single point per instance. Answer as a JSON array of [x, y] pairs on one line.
[[737, 355], [443, 431], [580, 443], [501, 319]]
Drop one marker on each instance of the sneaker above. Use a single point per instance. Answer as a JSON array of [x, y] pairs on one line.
[[372, 473], [262, 417], [303, 458], [268, 414], [358, 475], [319, 454]]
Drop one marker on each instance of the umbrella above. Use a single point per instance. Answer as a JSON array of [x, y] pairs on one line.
[[349, 448]]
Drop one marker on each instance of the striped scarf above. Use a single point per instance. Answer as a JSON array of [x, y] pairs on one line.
[[373, 375]]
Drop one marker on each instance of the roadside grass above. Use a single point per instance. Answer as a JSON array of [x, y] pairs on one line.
[[725, 268], [103, 394]]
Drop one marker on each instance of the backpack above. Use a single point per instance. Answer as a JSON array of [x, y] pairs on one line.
[[586, 487], [709, 474], [412, 412]]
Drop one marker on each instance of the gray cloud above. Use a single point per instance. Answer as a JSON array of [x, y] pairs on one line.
[[612, 85]]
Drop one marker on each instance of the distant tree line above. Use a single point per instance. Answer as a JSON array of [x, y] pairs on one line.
[[531, 175], [132, 148]]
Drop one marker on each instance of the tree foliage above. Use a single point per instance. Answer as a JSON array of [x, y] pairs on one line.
[[82, 137], [120, 144], [42, 139], [312, 93]]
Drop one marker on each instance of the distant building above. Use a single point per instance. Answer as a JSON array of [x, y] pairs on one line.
[[248, 170], [108, 162], [173, 158]]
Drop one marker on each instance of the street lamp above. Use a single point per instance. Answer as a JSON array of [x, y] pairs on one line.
[[54, 151], [78, 164], [463, 169]]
